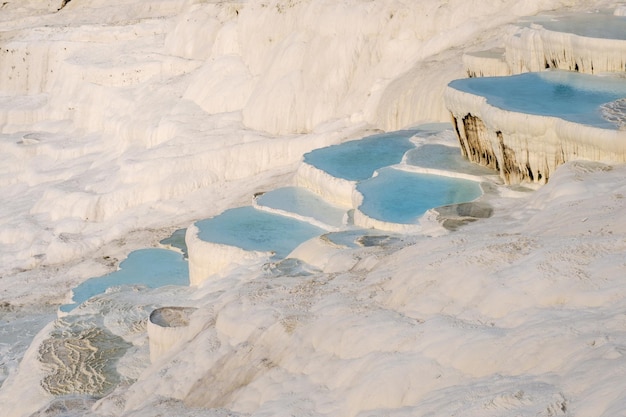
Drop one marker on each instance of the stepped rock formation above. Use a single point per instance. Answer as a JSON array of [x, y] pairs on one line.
[[526, 147], [593, 51]]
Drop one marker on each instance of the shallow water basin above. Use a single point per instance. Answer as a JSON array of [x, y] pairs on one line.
[[398, 196], [442, 157], [358, 159], [151, 267], [255, 230], [571, 96], [302, 204]]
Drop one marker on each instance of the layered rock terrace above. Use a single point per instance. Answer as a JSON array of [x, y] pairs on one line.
[[527, 146]]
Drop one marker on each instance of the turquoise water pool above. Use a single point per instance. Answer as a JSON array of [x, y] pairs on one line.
[[151, 267], [435, 156], [302, 202], [357, 160], [398, 196], [567, 95], [255, 230]]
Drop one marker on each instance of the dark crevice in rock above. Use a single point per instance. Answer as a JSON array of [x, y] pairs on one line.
[[63, 4], [530, 172], [455, 123], [454, 216], [510, 169], [489, 149], [477, 144]]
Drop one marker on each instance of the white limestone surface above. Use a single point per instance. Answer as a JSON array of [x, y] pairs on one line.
[[528, 147], [207, 259], [517, 315], [363, 220], [523, 310], [336, 190], [323, 254], [489, 63], [307, 219], [170, 327], [451, 173], [536, 48], [132, 109]]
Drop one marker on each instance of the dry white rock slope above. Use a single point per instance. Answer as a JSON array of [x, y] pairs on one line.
[[122, 120]]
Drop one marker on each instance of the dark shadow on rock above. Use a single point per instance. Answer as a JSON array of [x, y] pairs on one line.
[[453, 216]]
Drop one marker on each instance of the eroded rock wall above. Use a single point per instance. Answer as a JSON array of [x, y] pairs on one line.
[[526, 148], [537, 49], [491, 63]]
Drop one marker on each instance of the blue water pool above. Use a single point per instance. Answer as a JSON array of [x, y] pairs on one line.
[[357, 160], [567, 95], [442, 157], [302, 202], [398, 196], [150, 267], [256, 230]]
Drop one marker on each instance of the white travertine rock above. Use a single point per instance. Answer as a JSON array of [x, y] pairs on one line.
[[323, 254], [367, 222], [169, 327], [501, 319], [162, 99], [491, 63], [335, 190], [208, 258], [221, 85], [286, 213], [620, 11], [536, 48], [525, 147]]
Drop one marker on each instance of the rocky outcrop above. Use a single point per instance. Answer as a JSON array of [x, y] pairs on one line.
[[208, 258]]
